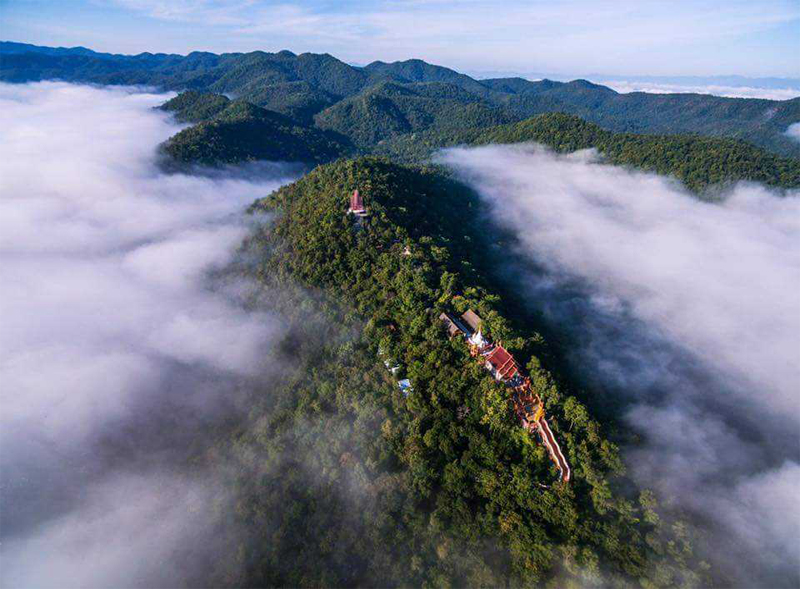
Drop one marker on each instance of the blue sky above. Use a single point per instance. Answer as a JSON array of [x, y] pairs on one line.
[[679, 37]]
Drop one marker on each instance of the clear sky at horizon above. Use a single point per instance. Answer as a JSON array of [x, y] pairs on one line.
[[682, 37]]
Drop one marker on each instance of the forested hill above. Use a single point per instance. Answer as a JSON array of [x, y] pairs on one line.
[[233, 131], [230, 132], [699, 162], [312, 85], [438, 486]]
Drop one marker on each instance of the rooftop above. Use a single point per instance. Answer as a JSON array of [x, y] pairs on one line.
[[471, 318], [502, 362]]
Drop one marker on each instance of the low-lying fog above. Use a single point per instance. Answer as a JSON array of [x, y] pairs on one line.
[[626, 86], [114, 347], [686, 312]]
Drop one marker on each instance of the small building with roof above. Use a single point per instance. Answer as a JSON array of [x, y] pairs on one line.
[[454, 326], [501, 363], [477, 341], [357, 207], [472, 319]]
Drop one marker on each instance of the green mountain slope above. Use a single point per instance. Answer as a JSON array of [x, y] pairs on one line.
[[244, 132], [439, 487], [758, 121], [762, 122], [387, 119], [298, 100], [389, 109], [301, 86], [699, 162], [193, 107], [251, 71], [416, 70]]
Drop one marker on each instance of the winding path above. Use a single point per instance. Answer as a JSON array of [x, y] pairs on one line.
[[555, 450]]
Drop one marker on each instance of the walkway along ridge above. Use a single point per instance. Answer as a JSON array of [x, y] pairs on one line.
[[503, 366]]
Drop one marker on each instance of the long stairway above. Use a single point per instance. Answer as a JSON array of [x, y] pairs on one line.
[[552, 446], [497, 360]]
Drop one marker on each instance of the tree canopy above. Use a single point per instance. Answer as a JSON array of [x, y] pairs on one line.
[[308, 85], [362, 484]]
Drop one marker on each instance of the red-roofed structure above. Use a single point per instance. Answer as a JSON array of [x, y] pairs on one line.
[[527, 404], [501, 363], [357, 205]]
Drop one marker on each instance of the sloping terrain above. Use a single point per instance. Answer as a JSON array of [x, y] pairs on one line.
[[237, 131], [244, 132], [699, 162], [389, 109], [305, 85], [193, 107], [438, 485]]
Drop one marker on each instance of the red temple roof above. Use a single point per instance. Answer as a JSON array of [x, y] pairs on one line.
[[502, 362], [356, 202]]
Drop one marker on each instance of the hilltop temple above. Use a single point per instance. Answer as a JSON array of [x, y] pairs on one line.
[[357, 207]]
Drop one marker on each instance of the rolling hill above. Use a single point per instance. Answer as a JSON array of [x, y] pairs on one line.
[[389, 109], [437, 485], [236, 131], [699, 162], [319, 85]]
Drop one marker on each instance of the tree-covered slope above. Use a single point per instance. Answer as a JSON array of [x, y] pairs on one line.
[[699, 162], [305, 85], [241, 74], [251, 71], [389, 109], [244, 132], [11, 48], [193, 107], [439, 487], [298, 100], [758, 121], [416, 70], [401, 121]]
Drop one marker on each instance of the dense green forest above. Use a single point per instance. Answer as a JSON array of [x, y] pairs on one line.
[[194, 107], [233, 131], [340, 478], [237, 131], [406, 96], [389, 109], [343, 480], [699, 162]]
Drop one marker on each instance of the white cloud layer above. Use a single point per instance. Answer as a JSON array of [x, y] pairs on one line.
[[688, 311], [794, 131], [726, 91], [111, 334]]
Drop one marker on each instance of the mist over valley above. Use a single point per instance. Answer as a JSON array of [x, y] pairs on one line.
[[272, 319]]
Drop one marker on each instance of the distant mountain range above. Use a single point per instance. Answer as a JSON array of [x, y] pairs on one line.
[[732, 81], [231, 131], [382, 101]]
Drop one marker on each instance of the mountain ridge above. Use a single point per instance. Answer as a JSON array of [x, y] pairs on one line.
[[237, 131], [451, 470], [226, 132], [303, 86]]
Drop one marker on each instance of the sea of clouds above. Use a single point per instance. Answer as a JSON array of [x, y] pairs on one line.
[[685, 312], [116, 347], [625, 86]]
